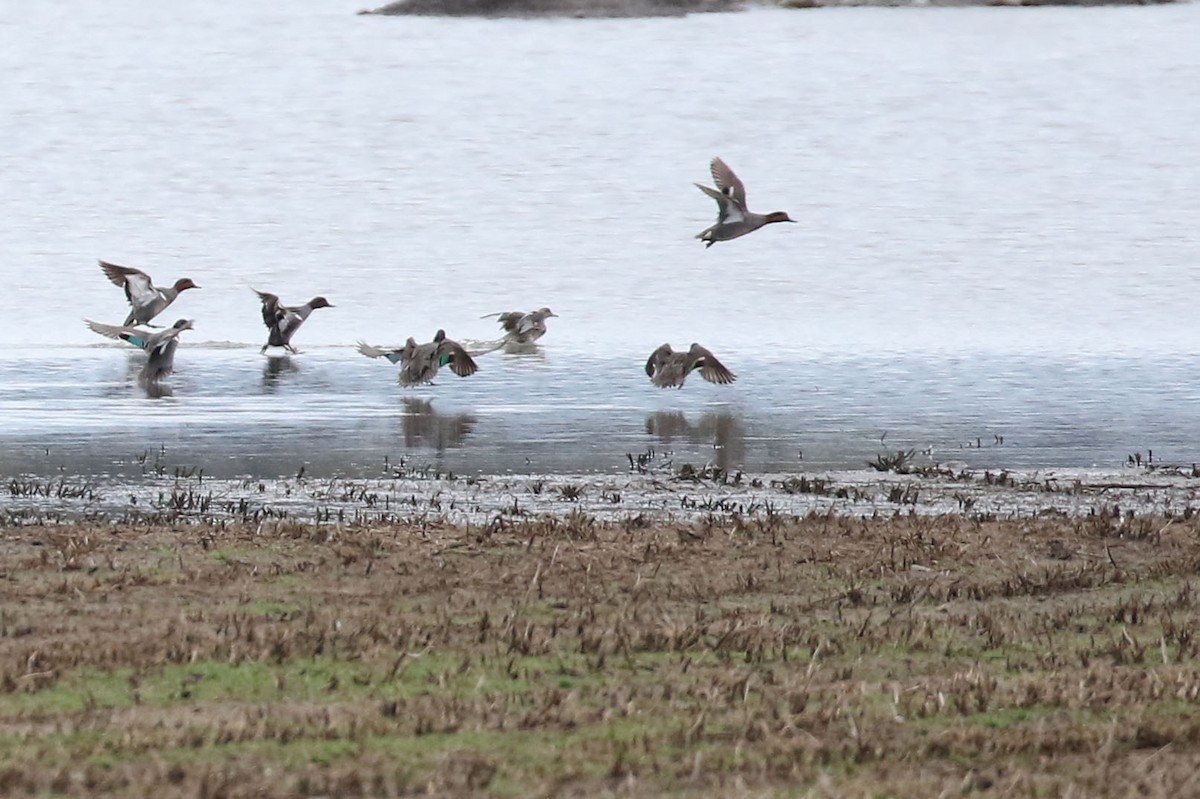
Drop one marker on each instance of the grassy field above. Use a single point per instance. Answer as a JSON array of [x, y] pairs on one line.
[[909, 657]]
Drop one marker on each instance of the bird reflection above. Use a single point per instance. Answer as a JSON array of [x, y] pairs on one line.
[[425, 427], [135, 363], [274, 369], [722, 431], [156, 389], [528, 349]]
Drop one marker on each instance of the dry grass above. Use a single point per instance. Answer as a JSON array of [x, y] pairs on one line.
[[826, 657]]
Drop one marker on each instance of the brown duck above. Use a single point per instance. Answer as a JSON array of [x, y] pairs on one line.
[[520, 327], [419, 363], [667, 368]]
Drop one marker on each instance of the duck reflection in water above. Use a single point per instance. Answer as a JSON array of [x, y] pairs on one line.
[[425, 427], [156, 390], [274, 369], [529, 350], [135, 364], [722, 431]]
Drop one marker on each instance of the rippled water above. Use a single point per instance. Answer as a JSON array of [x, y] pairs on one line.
[[328, 411], [998, 233]]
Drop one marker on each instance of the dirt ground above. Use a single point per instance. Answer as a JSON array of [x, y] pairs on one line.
[[824, 657]]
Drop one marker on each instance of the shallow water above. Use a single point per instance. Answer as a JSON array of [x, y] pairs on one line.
[[233, 412], [997, 233]]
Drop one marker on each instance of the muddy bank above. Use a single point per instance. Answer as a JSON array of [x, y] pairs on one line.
[[685, 495]]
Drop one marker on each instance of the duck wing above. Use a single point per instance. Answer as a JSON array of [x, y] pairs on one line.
[[710, 368], [288, 321], [117, 273], [530, 323], [451, 353], [133, 335], [727, 209], [508, 319], [110, 331], [271, 309], [394, 356], [139, 289], [729, 183]]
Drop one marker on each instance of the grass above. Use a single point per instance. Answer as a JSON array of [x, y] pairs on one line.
[[905, 657]]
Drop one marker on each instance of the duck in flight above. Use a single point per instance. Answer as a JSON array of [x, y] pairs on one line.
[[146, 300], [667, 368], [160, 347], [520, 327], [419, 363], [734, 219], [283, 321]]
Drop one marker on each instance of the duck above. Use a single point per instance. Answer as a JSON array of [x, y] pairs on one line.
[[146, 300], [733, 218], [419, 363], [284, 321], [520, 327], [667, 368], [160, 346]]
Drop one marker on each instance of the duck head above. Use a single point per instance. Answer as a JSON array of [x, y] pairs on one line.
[[185, 283], [779, 216], [320, 302]]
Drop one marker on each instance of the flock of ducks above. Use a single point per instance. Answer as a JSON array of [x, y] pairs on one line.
[[420, 363]]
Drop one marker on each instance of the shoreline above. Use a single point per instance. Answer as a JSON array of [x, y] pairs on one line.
[[610, 9], [646, 494]]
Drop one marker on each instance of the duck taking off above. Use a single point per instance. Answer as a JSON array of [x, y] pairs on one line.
[[667, 368], [282, 321], [520, 327], [733, 218], [419, 363], [146, 300], [160, 347]]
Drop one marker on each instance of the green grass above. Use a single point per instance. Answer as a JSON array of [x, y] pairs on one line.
[[323, 680], [778, 664], [270, 607]]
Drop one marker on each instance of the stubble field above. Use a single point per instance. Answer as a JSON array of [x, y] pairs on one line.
[[819, 656]]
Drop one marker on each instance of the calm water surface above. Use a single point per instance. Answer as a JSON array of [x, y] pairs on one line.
[[998, 233]]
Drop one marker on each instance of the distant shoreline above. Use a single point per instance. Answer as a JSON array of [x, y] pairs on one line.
[[553, 8], [676, 8]]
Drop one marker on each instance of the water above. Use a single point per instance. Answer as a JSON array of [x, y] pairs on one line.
[[997, 233], [329, 411]]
